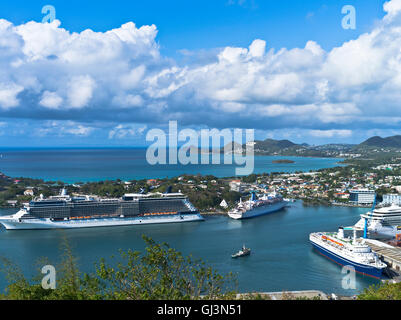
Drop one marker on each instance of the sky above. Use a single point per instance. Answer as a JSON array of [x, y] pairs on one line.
[[106, 72]]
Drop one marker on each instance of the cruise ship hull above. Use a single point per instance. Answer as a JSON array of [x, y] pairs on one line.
[[359, 268], [259, 211], [33, 224]]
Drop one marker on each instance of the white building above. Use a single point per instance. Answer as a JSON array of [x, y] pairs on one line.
[[223, 204], [235, 185], [361, 196], [391, 199]]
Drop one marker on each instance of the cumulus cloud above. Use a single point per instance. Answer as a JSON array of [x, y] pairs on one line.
[[119, 76], [80, 91], [331, 133], [125, 131], [8, 95], [51, 100], [63, 128]]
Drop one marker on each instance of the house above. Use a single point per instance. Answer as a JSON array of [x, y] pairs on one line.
[[235, 185], [12, 203], [151, 182], [342, 195]]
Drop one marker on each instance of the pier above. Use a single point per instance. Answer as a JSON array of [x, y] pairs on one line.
[[285, 295], [390, 255]]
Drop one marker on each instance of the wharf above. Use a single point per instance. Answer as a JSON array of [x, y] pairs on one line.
[[285, 295], [390, 255]]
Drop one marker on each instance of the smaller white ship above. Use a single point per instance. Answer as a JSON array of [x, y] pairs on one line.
[[347, 251], [258, 207]]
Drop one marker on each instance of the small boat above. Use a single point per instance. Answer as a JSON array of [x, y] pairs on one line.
[[242, 253]]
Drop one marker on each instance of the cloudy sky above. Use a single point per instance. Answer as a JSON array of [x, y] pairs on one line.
[[105, 72]]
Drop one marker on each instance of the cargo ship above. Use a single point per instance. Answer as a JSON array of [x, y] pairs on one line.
[[257, 207], [66, 212], [348, 251]]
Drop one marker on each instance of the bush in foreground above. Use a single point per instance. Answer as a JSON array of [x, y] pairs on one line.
[[159, 273]]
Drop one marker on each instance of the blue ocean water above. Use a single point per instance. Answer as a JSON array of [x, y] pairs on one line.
[[83, 165], [282, 257]]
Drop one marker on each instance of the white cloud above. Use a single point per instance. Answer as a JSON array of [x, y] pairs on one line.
[[330, 133], [128, 100], [119, 76], [80, 91], [51, 100], [63, 128], [125, 131], [8, 95]]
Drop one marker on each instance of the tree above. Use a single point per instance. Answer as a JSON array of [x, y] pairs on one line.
[[386, 291], [159, 273]]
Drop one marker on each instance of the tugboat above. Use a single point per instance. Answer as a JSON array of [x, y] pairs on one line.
[[242, 253]]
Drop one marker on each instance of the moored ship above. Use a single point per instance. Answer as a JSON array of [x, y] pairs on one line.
[[65, 212], [257, 207], [382, 222], [346, 251]]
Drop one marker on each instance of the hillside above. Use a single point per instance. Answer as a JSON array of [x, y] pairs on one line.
[[373, 147], [389, 142]]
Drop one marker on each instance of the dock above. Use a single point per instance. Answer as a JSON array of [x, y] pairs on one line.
[[390, 255], [286, 295]]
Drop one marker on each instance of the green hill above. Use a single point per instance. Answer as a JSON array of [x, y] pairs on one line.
[[389, 142]]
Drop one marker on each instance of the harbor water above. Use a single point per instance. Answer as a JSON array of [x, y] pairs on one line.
[[83, 165], [282, 257]]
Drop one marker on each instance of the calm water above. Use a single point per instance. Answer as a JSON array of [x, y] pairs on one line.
[[82, 165], [282, 258]]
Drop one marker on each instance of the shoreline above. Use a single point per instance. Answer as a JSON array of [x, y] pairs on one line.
[[337, 162]]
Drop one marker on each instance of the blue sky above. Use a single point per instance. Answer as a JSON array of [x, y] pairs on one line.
[[207, 24], [50, 95]]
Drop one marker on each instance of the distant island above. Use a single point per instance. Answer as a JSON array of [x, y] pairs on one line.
[[283, 161], [372, 148]]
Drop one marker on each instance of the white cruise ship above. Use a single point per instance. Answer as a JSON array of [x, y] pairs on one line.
[[257, 207], [347, 251], [64, 211], [383, 222]]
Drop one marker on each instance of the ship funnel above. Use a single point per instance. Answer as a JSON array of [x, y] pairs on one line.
[[341, 232], [63, 192]]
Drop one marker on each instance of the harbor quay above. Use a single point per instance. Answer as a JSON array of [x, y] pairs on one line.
[[287, 295], [389, 254]]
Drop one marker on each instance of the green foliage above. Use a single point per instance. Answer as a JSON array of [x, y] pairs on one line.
[[250, 179], [385, 291], [159, 273]]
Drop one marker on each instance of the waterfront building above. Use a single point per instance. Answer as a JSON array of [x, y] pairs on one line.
[[223, 204], [236, 185], [361, 196], [389, 199], [12, 203]]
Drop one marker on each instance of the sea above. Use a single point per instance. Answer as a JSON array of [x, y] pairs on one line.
[[83, 165], [282, 258]]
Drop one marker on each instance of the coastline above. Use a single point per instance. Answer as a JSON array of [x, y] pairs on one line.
[[100, 164]]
